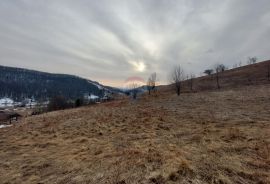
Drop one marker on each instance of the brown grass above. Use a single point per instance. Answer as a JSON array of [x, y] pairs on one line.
[[207, 137], [255, 74]]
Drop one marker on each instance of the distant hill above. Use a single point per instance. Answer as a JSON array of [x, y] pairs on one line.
[[18, 83]]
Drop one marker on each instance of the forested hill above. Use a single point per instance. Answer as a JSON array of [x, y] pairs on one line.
[[18, 84]]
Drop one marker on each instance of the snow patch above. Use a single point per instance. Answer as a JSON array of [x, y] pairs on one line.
[[91, 97], [6, 102], [4, 126], [99, 86], [29, 102]]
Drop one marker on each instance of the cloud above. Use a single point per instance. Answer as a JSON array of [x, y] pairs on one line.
[[109, 41], [138, 65]]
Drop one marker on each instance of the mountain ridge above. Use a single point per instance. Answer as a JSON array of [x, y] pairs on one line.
[[19, 83]]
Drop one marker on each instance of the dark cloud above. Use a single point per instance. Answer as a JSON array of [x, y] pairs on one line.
[[109, 40]]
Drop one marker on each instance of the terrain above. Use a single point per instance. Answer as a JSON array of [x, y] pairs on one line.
[[18, 84], [206, 137], [249, 75]]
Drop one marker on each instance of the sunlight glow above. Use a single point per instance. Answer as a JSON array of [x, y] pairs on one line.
[[138, 65]]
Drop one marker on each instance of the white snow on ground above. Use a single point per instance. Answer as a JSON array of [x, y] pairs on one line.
[[91, 97], [30, 102], [4, 126], [6, 102], [99, 86]]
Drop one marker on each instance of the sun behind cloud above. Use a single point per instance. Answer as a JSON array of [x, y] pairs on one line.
[[138, 66]]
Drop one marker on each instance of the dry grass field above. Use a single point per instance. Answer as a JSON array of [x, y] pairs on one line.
[[206, 137]]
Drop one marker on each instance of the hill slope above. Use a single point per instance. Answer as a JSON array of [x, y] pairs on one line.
[[254, 74], [197, 138], [20, 83]]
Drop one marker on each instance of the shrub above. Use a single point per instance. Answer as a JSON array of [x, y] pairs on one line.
[[58, 103], [78, 102]]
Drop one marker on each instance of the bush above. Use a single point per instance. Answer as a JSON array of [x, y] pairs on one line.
[[58, 103], [78, 102]]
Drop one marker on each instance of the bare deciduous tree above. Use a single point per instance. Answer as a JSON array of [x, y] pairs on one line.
[[251, 60], [208, 71], [58, 103], [268, 75], [234, 65], [133, 88], [191, 80], [221, 67], [218, 69], [177, 76], [151, 83], [240, 63]]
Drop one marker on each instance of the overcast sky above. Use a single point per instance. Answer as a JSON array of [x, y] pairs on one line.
[[111, 40]]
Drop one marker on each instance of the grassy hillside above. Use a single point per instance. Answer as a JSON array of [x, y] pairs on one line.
[[207, 137], [254, 74]]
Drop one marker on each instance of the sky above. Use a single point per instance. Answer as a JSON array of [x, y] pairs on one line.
[[110, 41]]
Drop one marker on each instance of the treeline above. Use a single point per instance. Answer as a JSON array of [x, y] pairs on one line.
[[60, 103], [19, 84]]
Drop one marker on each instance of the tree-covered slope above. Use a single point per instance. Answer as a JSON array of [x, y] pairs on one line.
[[18, 83]]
